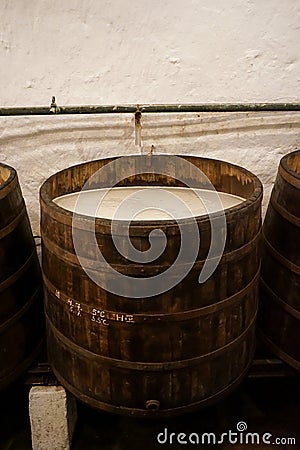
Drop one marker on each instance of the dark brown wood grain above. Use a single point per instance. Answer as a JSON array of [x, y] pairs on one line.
[[279, 312], [21, 299], [179, 350]]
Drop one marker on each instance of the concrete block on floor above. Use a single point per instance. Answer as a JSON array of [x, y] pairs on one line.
[[53, 417]]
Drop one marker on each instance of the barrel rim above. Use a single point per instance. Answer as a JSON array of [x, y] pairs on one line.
[[45, 197], [12, 176], [284, 163]]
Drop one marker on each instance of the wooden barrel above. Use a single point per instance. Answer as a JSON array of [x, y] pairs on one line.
[[279, 317], [21, 293], [163, 355]]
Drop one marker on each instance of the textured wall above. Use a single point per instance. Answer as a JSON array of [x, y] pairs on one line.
[[105, 51], [38, 147], [102, 52]]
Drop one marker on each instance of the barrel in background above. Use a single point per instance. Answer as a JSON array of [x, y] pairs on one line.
[[163, 355], [279, 317], [21, 293]]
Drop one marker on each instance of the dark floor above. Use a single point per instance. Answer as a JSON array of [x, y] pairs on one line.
[[265, 404]]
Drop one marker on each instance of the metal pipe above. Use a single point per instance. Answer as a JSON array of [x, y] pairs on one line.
[[172, 108]]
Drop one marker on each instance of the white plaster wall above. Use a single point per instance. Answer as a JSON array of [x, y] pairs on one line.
[[112, 51], [107, 52], [40, 146]]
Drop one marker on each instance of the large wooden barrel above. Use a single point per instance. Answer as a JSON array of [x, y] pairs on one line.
[[279, 317], [21, 292], [162, 355]]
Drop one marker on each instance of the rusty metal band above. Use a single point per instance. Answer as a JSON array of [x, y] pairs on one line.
[[8, 323], [289, 178], [278, 351], [71, 259], [285, 306], [279, 257], [16, 275], [285, 214], [7, 188], [13, 374], [13, 224], [163, 317], [142, 366]]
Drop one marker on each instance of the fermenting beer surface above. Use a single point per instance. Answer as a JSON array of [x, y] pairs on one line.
[[145, 203]]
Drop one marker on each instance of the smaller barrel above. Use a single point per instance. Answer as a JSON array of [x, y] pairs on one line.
[[279, 312], [21, 293]]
